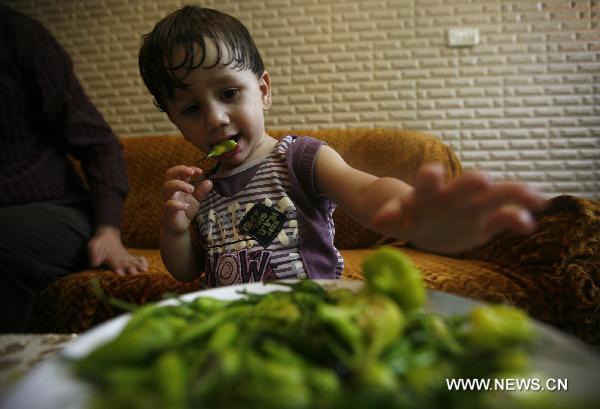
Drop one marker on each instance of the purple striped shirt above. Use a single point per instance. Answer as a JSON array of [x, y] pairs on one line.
[[232, 231], [45, 116]]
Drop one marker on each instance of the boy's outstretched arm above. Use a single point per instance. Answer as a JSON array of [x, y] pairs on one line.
[[434, 215]]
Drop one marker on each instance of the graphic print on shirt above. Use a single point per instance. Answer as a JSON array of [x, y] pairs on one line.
[[241, 238], [262, 223]]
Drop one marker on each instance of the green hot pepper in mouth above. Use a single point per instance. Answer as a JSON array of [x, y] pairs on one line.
[[222, 148]]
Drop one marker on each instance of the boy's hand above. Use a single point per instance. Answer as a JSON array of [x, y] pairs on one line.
[[463, 213], [181, 198]]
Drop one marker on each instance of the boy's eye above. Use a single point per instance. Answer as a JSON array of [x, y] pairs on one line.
[[190, 109], [229, 93]]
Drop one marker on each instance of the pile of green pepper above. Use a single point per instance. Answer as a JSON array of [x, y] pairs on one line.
[[311, 348]]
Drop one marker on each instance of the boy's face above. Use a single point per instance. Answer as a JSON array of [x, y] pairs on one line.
[[221, 103]]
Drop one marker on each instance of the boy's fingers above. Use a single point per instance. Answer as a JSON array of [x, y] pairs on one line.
[[429, 181], [182, 172], [509, 193], [196, 177], [512, 218], [177, 172], [466, 186], [202, 189], [172, 187], [175, 205]]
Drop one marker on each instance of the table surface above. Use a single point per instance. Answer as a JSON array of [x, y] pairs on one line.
[[19, 353]]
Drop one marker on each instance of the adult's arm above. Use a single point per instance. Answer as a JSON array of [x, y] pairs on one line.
[[74, 120]]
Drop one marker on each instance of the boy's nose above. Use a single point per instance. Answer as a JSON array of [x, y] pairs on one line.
[[216, 117]]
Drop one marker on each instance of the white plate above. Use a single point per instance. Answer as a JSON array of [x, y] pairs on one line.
[[51, 386]]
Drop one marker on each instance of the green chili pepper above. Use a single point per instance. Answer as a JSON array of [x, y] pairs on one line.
[[274, 384], [325, 386], [170, 376], [377, 375], [223, 337], [278, 306], [219, 149], [498, 326], [222, 148], [381, 322], [207, 305], [390, 272], [136, 346], [201, 329], [145, 312], [341, 318]]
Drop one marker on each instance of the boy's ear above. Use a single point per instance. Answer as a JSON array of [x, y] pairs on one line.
[[265, 89]]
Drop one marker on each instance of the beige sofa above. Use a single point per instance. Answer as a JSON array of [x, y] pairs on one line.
[[553, 273]]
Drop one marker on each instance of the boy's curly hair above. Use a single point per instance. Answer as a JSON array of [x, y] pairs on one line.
[[188, 28]]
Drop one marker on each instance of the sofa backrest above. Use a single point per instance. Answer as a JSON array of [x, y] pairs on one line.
[[382, 152]]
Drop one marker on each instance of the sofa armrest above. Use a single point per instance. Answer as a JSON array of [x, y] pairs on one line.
[[560, 262]]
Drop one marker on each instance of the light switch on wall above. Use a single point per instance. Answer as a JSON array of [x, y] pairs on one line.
[[463, 37]]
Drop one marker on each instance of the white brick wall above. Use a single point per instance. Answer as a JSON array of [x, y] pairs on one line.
[[524, 104]]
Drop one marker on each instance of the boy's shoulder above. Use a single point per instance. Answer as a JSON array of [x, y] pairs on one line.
[[305, 145]]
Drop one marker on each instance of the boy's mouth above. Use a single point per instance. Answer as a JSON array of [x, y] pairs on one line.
[[234, 138]]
